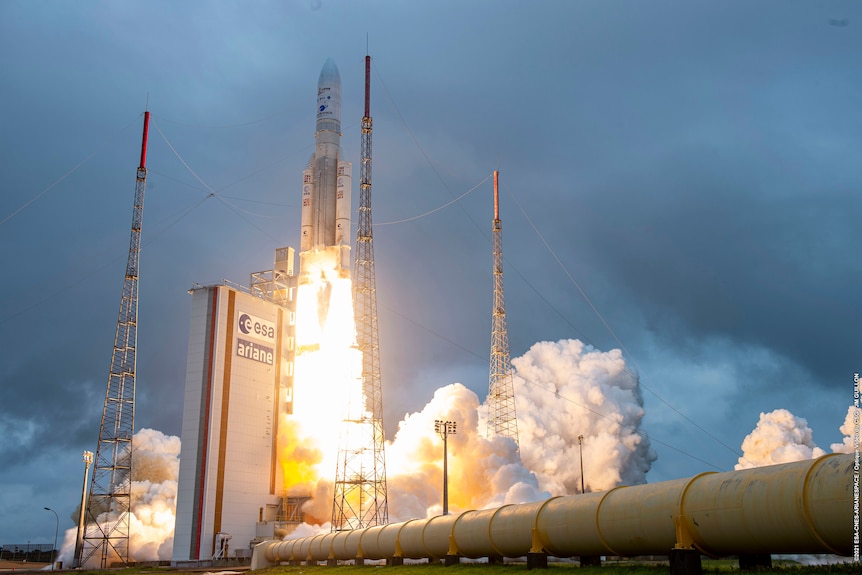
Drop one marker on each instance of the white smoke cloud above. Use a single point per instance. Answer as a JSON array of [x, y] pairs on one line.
[[483, 472], [562, 390], [566, 389], [155, 468], [850, 429], [779, 437]]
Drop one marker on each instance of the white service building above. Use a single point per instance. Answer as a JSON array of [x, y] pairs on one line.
[[239, 378]]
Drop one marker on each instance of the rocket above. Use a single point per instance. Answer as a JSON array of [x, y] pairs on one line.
[[325, 231]]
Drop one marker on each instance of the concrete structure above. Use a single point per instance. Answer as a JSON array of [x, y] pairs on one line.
[[239, 380], [802, 507]]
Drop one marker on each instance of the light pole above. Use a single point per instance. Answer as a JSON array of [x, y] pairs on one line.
[[581, 453], [87, 457], [56, 530], [445, 429]]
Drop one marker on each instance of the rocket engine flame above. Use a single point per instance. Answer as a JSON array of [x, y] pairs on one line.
[[328, 365], [606, 408]]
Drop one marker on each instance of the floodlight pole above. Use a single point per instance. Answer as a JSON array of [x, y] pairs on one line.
[[581, 454], [87, 457], [445, 428], [56, 531]]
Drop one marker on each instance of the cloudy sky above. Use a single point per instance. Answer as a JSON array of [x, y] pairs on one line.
[[692, 167]]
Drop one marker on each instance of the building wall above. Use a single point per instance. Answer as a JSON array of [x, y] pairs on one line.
[[238, 378]]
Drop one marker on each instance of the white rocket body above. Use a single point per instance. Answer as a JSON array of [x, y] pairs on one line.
[[326, 185]]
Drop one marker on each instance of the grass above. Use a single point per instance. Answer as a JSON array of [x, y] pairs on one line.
[[608, 568], [710, 566]]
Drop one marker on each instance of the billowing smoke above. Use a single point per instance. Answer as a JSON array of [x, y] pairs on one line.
[[780, 437], [567, 389], [563, 390], [850, 429], [155, 468], [483, 472]]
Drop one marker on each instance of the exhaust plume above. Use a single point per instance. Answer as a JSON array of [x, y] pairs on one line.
[[567, 389], [779, 437], [155, 468], [483, 472], [850, 429]]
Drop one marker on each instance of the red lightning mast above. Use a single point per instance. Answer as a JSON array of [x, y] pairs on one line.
[[106, 534]]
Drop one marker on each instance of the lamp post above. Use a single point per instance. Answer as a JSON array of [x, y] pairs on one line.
[[56, 531], [445, 429], [581, 453], [87, 457]]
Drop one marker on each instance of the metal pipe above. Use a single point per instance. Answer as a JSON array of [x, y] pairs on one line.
[[56, 531], [87, 458], [581, 457], [801, 507], [445, 429], [445, 477]]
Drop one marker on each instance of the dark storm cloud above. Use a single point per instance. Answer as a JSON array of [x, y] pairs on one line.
[[692, 165], [710, 253]]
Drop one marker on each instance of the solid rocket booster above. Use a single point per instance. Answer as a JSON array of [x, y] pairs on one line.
[[325, 239]]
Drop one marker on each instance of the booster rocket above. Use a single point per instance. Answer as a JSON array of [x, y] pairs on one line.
[[325, 237]]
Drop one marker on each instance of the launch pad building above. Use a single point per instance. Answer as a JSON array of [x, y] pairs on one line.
[[239, 379]]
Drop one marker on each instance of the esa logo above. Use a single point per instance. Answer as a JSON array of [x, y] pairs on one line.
[[256, 327]]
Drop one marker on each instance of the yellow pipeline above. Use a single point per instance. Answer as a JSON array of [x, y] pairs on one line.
[[801, 507]]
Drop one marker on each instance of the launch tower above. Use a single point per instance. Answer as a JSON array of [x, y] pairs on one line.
[[106, 535], [502, 419], [360, 484]]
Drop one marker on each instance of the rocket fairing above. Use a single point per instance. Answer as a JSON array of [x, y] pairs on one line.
[[326, 182]]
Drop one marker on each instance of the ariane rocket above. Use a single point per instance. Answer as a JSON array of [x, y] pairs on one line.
[[325, 236]]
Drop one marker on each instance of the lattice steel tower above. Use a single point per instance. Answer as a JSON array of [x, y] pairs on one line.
[[502, 419], [360, 477], [106, 535]]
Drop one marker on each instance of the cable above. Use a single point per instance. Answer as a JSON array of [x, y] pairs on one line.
[[52, 295], [556, 392], [66, 175], [553, 254], [422, 150], [212, 192], [428, 213], [613, 334], [183, 162]]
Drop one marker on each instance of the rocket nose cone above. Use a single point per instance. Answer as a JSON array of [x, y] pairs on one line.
[[329, 75], [329, 98]]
